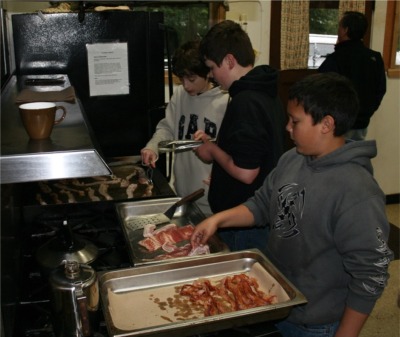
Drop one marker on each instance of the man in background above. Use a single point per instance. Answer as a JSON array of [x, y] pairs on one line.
[[363, 66]]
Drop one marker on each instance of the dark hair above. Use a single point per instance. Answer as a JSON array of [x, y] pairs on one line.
[[325, 94], [187, 61], [356, 24], [227, 37]]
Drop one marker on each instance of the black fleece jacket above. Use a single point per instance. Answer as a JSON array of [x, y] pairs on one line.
[[365, 68], [252, 132]]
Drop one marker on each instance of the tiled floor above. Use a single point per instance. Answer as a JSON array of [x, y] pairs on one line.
[[385, 318]]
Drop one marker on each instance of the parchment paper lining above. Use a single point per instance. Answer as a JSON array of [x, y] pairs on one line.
[[140, 309]]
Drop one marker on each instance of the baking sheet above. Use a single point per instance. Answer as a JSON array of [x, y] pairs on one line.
[[163, 312], [129, 181], [188, 214]]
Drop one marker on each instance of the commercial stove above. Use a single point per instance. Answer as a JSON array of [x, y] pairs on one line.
[[26, 307]]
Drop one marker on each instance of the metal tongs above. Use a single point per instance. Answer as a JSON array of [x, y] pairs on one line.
[[179, 145]]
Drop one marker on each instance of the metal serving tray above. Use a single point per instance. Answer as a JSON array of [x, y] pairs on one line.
[[144, 301], [186, 214]]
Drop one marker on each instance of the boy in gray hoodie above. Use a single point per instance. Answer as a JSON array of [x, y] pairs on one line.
[[328, 227]]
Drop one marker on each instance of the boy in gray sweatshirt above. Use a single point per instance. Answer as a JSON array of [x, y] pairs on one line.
[[328, 227]]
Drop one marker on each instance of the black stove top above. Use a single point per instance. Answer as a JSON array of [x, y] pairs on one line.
[[29, 306]]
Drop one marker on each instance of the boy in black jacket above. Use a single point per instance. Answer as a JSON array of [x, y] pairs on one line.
[[251, 136]]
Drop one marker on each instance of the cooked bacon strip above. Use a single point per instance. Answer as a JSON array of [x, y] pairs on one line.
[[103, 190], [91, 194], [55, 198], [238, 292], [129, 191], [66, 188], [148, 191], [142, 177], [71, 198], [40, 199]]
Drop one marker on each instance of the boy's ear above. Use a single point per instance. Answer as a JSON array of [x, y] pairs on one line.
[[230, 59], [328, 124]]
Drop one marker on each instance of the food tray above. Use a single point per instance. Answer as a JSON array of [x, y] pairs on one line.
[[127, 182], [186, 214], [136, 301]]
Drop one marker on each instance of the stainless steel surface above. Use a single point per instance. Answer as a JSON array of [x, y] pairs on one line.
[[179, 145], [185, 214], [68, 153], [148, 283], [139, 222]]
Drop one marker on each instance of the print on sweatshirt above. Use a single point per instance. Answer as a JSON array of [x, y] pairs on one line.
[[210, 128], [291, 200]]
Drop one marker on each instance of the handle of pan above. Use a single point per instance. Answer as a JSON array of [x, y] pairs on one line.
[[193, 196]]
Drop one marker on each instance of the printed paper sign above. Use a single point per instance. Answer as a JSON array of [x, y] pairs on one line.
[[108, 69]]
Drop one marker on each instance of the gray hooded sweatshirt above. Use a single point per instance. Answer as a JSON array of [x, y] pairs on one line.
[[185, 115], [329, 230]]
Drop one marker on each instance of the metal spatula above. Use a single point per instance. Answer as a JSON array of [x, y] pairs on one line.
[[140, 221]]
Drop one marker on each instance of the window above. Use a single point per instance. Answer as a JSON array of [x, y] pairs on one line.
[[323, 34], [391, 48], [324, 20], [185, 20]]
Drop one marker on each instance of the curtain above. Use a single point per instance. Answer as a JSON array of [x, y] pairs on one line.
[[294, 34], [351, 5]]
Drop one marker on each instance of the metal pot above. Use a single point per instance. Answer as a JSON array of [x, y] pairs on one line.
[[75, 299], [65, 248]]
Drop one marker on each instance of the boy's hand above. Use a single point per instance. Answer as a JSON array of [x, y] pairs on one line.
[[201, 135], [202, 233], [205, 151], [149, 157]]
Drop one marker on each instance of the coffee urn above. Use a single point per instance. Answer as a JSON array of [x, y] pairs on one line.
[[75, 299]]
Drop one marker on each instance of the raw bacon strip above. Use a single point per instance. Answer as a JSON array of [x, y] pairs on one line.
[[149, 230], [199, 250], [178, 252], [186, 231], [156, 238], [167, 238], [164, 228], [150, 243]]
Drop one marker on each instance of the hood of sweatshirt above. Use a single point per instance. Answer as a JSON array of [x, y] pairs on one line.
[[261, 78], [357, 152]]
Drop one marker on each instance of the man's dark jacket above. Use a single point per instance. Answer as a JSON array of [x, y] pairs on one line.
[[364, 67]]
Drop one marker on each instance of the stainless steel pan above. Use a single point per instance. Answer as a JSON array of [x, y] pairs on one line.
[[140, 221]]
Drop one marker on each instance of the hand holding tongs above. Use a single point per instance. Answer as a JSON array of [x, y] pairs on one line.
[[179, 145]]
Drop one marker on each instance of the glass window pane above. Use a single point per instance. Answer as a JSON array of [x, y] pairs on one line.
[[185, 21], [323, 34]]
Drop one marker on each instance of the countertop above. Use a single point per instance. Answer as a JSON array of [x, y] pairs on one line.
[[70, 152]]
